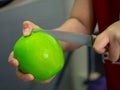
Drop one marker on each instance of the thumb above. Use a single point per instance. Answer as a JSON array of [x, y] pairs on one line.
[[27, 27], [101, 41]]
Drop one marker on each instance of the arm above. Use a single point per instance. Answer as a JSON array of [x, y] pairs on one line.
[[80, 21]]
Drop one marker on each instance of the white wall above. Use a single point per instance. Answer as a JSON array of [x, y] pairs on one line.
[[68, 6]]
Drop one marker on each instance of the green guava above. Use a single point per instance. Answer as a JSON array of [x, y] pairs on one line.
[[39, 54]]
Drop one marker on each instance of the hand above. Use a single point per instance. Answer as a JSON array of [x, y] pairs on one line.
[[24, 77], [109, 38], [27, 28]]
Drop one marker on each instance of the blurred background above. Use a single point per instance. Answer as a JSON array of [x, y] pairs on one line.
[[47, 14]]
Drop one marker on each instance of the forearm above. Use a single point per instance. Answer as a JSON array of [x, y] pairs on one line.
[[72, 25], [81, 21]]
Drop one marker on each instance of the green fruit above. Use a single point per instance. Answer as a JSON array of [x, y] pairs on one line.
[[39, 54]]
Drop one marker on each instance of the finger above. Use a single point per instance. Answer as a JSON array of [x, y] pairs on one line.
[[100, 43], [24, 77], [27, 27], [10, 56], [12, 61], [94, 36], [114, 51], [46, 81]]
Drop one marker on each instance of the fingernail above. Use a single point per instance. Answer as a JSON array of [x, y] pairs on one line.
[[28, 78], [11, 62], [26, 31]]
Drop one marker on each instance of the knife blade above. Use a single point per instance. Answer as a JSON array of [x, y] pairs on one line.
[[75, 38]]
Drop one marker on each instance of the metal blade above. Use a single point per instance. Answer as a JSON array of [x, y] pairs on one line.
[[70, 37]]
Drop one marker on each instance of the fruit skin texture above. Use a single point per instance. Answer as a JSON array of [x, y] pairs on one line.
[[39, 54]]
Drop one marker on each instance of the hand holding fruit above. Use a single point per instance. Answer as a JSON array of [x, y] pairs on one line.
[[27, 28], [42, 65]]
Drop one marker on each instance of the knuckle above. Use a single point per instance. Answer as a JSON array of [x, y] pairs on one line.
[[97, 49], [26, 22], [117, 36]]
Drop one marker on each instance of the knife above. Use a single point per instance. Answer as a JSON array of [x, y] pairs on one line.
[[75, 38]]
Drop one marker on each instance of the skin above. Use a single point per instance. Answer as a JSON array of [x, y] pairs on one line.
[[80, 21]]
